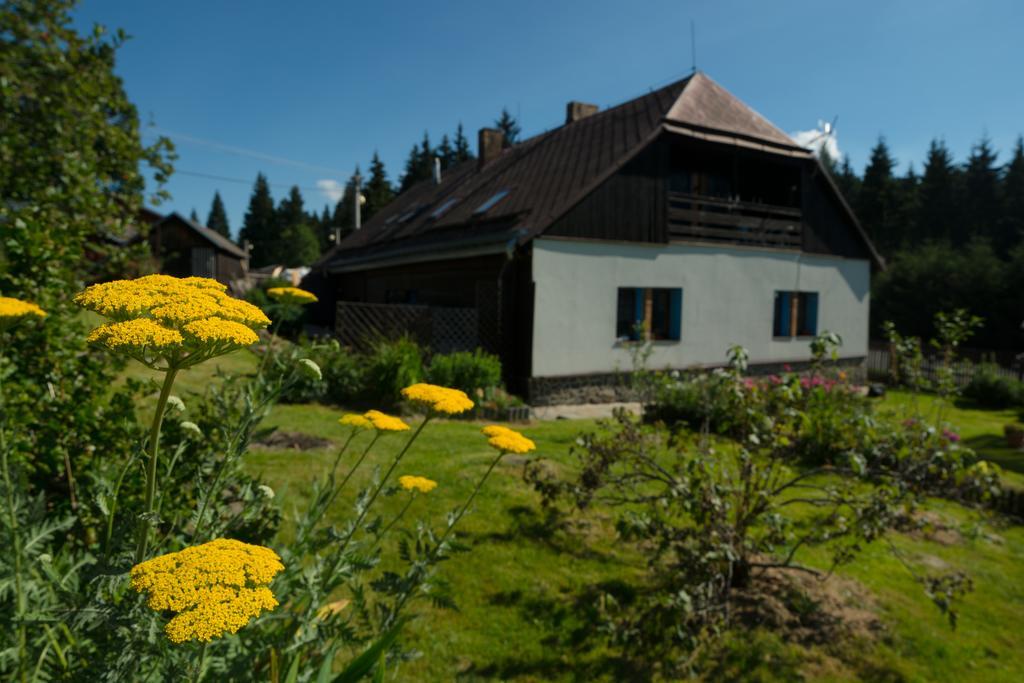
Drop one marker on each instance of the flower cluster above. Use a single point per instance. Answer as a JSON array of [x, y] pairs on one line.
[[507, 440], [438, 399], [11, 309], [385, 423], [357, 421], [421, 484], [215, 588], [180, 321], [291, 295]]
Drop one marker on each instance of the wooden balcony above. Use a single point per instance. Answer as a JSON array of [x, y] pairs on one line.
[[710, 219]]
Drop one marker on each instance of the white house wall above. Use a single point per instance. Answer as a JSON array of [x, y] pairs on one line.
[[728, 298]]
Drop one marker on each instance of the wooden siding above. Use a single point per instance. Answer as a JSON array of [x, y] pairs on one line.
[[629, 206], [827, 227], [172, 243]]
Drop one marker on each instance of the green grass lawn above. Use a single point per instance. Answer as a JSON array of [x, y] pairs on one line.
[[517, 587]]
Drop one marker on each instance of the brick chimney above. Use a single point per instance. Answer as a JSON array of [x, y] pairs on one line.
[[574, 111], [490, 141]]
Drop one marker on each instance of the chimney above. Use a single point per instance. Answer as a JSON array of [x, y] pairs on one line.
[[437, 170], [574, 111], [490, 142]]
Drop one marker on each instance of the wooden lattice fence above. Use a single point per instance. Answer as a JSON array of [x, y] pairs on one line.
[[442, 329]]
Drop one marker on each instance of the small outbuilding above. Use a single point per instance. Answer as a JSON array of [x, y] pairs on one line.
[[185, 248]]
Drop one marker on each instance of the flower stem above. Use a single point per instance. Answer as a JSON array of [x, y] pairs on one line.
[[380, 486], [19, 591], [385, 530], [154, 451], [270, 346]]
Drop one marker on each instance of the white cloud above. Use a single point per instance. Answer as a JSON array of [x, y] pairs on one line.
[[331, 189], [816, 138]]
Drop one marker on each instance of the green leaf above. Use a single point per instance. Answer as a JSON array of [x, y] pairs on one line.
[[381, 669], [361, 665], [293, 670], [324, 675]]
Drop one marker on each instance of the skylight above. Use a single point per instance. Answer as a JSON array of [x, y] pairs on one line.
[[411, 213], [495, 198], [441, 210]]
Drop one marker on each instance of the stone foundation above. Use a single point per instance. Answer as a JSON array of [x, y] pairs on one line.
[[615, 387]]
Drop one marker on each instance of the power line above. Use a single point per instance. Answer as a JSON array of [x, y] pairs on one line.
[[241, 151], [241, 181]]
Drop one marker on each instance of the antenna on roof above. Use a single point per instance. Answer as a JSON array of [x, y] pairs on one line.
[[693, 44]]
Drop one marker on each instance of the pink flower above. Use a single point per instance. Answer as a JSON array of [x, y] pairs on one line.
[[950, 435], [787, 368], [775, 379]]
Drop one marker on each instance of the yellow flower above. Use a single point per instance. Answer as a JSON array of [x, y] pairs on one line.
[[385, 423], [180, 320], [421, 484], [291, 295], [215, 588], [357, 421], [508, 440], [217, 330], [441, 399], [137, 334], [16, 308]]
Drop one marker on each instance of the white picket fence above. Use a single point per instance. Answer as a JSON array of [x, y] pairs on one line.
[[879, 363]]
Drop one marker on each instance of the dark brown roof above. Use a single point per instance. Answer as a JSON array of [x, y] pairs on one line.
[[218, 240], [548, 174]]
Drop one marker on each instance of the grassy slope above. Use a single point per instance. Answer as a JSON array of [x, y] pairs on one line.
[[516, 586]]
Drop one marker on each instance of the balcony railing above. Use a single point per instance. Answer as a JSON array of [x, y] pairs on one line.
[[710, 219]]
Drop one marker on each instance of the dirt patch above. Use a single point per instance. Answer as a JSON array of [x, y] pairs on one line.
[[932, 527], [281, 440], [808, 610]]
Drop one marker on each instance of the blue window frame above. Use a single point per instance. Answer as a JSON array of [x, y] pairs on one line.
[[649, 312], [796, 314]]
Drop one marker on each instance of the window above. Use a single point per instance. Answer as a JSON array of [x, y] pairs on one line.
[[440, 211], [486, 206], [796, 314], [651, 312]]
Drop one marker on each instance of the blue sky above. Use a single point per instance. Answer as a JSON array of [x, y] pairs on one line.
[[305, 90]]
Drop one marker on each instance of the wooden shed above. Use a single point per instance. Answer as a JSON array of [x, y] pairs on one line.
[[185, 248]]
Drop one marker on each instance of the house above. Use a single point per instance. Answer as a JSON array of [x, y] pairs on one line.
[[682, 215], [186, 248]]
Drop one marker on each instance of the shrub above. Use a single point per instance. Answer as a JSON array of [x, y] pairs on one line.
[[472, 372], [344, 374], [989, 389], [390, 366]]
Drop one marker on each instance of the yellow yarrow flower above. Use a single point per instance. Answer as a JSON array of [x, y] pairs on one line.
[[440, 399], [140, 333], [12, 308], [421, 484], [357, 421], [385, 423], [181, 321], [508, 440], [215, 588], [291, 295]]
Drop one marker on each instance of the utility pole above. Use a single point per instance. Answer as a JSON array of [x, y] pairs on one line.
[[357, 217]]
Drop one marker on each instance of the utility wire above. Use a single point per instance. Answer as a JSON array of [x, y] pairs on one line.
[[225, 179], [241, 151]]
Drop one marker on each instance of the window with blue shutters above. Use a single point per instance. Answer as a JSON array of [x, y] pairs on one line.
[[649, 312], [796, 314]]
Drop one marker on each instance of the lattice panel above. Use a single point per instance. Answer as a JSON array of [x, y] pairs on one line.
[[443, 330]]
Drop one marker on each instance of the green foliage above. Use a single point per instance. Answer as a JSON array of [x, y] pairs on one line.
[[471, 371], [508, 125], [392, 365], [217, 219], [343, 383], [259, 227], [990, 389]]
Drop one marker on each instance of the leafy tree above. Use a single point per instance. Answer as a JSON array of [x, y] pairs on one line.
[[1011, 227], [217, 220], [378, 190], [508, 125], [981, 201], [938, 214], [260, 225], [461, 146], [876, 204]]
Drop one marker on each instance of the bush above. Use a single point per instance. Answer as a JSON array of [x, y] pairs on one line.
[[989, 389], [472, 372], [344, 374], [391, 366]]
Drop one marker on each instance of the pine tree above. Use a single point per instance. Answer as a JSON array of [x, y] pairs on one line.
[[1011, 231], [938, 213], [906, 206], [848, 182], [259, 227], [217, 220], [982, 201], [461, 145], [378, 190], [876, 204], [194, 217], [419, 165], [291, 210], [446, 152], [508, 125], [296, 243]]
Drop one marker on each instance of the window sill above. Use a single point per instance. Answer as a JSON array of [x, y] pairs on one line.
[[799, 337], [621, 343]]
